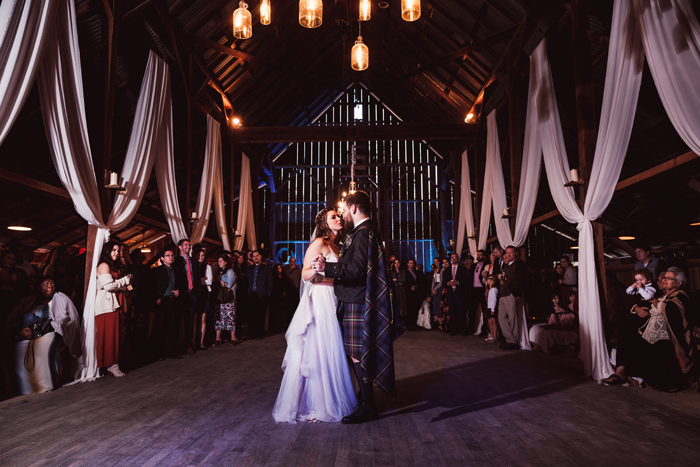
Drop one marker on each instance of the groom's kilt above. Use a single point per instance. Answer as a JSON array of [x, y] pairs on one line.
[[353, 320]]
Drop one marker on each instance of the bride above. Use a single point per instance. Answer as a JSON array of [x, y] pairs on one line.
[[316, 385]]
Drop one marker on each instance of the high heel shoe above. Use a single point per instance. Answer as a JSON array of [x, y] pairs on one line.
[[116, 372]]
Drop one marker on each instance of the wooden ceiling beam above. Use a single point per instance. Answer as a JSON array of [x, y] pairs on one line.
[[406, 131]]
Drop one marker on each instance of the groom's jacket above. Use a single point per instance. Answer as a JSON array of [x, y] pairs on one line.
[[350, 272]]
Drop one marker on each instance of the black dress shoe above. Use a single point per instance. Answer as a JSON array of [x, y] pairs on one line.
[[365, 413]]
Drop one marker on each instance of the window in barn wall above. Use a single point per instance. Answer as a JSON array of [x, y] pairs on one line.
[[400, 176]]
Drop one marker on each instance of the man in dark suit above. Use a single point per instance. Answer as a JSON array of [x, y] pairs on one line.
[[259, 292], [185, 264], [512, 278], [498, 264], [413, 298], [476, 296], [456, 278], [170, 286]]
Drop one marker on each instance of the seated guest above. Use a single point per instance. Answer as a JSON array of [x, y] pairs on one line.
[[662, 350], [559, 315], [50, 337], [642, 290], [109, 306], [424, 313]]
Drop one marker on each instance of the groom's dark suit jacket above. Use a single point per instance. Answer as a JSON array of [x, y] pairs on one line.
[[350, 272]]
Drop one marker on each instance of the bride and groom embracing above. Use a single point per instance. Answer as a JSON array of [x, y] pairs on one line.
[[344, 322]]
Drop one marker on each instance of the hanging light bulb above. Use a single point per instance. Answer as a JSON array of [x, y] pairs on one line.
[[359, 57], [265, 12], [310, 13], [242, 22], [365, 10], [410, 10]]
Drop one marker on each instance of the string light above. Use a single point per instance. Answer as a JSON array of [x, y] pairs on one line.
[[242, 22], [310, 13], [410, 10], [265, 12]]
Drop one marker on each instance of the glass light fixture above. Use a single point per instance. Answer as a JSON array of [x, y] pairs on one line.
[[365, 10], [242, 22], [360, 55], [470, 118], [410, 10], [265, 12], [310, 13]]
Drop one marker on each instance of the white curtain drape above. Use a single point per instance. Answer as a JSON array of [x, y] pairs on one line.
[[210, 171], [24, 28], [622, 84], [671, 38], [245, 224], [219, 211], [61, 94], [466, 214]]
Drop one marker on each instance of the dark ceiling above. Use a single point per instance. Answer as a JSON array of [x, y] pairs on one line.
[[430, 71]]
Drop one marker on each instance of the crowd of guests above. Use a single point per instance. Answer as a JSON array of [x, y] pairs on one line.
[[468, 296], [215, 301]]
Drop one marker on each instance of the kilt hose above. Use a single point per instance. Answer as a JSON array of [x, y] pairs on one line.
[[352, 318]]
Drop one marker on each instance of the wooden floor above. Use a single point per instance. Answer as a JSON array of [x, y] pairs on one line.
[[462, 402]]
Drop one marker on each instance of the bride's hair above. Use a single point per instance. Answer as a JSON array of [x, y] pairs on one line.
[[322, 228]]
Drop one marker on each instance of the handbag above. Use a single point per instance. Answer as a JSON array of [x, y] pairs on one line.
[[40, 328], [225, 295]]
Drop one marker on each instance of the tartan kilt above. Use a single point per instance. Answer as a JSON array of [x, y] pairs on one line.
[[353, 320]]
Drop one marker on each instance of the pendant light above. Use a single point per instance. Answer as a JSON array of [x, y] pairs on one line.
[[410, 10], [242, 22], [365, 10], [265, 12], [310, 13], [359, 58]]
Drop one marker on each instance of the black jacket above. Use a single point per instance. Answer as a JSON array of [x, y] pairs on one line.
[[350, 272], [462, 277], [263, 283], [161, 281], [180, 265]]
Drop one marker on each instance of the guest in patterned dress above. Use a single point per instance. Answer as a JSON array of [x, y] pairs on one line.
[[226, 317]]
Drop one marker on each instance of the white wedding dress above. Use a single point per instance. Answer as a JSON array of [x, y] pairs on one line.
[[316, 385]]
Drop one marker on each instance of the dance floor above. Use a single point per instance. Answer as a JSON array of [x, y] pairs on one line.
[[462, 402]]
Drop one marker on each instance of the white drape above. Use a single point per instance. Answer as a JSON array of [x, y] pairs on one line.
[[219, 192], [622, 84], [24, 28], [61, 93], [671, 37], [245, 224], [212, 162], [466, 215]]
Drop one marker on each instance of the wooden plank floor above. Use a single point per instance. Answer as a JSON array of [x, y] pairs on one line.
[[462, 402]]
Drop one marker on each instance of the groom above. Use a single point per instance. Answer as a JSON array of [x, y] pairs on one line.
[[364, 305]]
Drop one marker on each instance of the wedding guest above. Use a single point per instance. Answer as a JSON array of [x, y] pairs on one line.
[[413, 298], [226, 316], [642, 290], [646, 259], [190, 268], [664, 349], [58, 268], [142, 282], [204, 307], [259, 292], [456, 278], [557, 279], [398, 279], [279, 299], [125, 258], [436, 288], [512, 280], [498, 261], [559, 315], [21, 257], [111, 282], [170, 284], [491, 308], [425, 313], [242, 309], [477, 293], [294, 274], [570, 281]]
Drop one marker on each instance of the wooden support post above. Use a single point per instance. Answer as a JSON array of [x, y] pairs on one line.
[[585, 116], [89, 253]]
